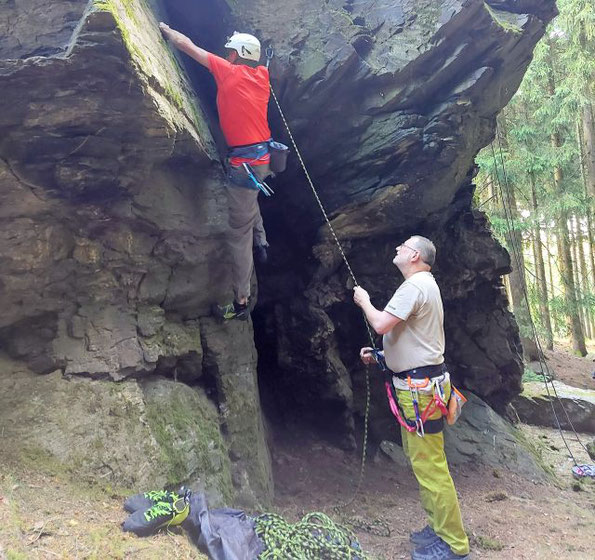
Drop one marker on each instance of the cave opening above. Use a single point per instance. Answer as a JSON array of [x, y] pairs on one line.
[[288, 399]]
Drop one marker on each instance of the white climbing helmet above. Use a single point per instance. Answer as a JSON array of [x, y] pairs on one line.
[[247, 46]]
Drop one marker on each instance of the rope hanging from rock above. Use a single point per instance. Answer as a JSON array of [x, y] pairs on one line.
[[269, 56], [517, 252], [315, 537]]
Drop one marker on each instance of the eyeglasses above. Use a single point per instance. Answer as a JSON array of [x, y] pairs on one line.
[[410, 248]]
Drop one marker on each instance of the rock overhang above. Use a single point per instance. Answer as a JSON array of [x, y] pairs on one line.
[[389, 103]]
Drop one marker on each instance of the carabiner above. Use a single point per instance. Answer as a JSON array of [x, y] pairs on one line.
[[379, 357], [269, 52]]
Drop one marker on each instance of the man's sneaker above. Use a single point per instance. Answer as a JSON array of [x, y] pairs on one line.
[[231, 311], [438, 550], [424, 537], [161, 514], [147, 499], [260, 254]]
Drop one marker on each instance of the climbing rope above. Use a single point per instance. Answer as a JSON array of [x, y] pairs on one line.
[[269, 55], [547, 376], [315, 537]]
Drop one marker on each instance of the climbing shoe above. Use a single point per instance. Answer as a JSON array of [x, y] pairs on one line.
[[161, 514], [147, 499], [231, 311], [438, 550], [261, 255], [424, 537]]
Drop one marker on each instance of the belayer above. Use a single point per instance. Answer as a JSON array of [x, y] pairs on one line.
[[242, 103], [418, 387]]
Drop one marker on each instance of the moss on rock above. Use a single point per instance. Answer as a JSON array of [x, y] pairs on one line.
[[157, 68], [185, 425], [131, 435]]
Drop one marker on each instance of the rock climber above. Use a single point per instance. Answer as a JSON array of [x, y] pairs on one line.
[[242, 103], [413, 342]]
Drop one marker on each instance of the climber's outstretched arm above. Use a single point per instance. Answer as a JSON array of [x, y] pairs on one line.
[[183, 43]]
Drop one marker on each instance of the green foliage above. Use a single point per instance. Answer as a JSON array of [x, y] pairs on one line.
[[538, 139], [529, 376]]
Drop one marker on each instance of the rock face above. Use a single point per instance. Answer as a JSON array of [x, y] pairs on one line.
[[113, 218], [534, 406], [389, 103], [113, 215], [134, 434]]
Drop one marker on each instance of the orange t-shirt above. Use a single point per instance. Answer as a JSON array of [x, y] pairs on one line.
[[242, 101]]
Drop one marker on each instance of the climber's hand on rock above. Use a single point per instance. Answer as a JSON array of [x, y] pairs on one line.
[[178, 39], [164, 28]]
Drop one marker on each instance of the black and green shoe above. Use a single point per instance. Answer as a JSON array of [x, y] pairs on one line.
[[148, 499], [159, 515], [233, 310]]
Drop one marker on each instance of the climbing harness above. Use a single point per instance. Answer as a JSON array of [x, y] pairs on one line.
[[547, 376], [243, 158], [421, 425]]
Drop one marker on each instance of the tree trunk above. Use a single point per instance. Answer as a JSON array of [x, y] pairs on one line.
[[584, 274], [588, 119], [540, 272], [591, 246], [588, 196], [566, 269], [578, 284], [550, 266]]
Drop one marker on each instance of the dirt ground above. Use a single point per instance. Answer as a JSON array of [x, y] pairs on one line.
[[43, 517], [507, 517], [571, 369]]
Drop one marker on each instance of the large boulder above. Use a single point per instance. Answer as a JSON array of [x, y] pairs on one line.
[[113, 219], [483, 437], [389, 102], [113, 215], [541, 405], [135, 435]]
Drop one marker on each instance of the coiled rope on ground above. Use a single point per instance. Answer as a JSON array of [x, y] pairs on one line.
[[315, 537]]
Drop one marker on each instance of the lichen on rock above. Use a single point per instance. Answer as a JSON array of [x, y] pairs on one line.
[[134, 435]]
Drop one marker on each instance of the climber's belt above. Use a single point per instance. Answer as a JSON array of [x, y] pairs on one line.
[[251, 151], [422, 372]]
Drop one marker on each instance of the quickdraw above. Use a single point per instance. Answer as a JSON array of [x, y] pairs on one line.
[[261, 185]]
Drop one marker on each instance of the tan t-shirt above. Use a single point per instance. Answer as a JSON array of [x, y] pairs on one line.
[[419, 339]]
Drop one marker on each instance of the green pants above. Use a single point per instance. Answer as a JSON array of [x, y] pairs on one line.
[[436, 488]]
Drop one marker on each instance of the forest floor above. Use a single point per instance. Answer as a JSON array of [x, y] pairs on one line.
[[45, 517]]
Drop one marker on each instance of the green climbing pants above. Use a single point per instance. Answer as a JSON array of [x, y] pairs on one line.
[[436, 488]]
